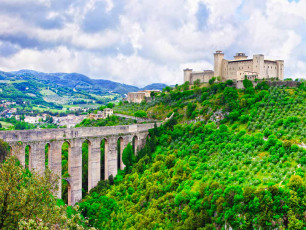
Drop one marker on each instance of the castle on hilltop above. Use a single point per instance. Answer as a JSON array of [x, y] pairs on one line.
[[256, 68]]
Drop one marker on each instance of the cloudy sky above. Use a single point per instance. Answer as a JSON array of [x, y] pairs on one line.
[[144, 41]]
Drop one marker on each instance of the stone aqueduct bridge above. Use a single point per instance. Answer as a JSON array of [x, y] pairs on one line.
[[37, 140]]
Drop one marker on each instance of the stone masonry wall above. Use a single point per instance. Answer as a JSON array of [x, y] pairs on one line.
[[37, 140]]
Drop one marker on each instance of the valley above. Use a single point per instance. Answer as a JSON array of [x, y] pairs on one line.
[[33, 96], [221, 157]]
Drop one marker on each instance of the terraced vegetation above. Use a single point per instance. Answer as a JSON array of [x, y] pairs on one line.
[[282, 114], [131, 108], [227, 159]]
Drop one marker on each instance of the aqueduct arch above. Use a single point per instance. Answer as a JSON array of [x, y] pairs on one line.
[[37, 140]]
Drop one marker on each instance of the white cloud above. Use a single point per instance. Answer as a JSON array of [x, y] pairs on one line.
[[165, 37], [59, 59], [134, 70], [131, 32], [274, 29], [19, 2]]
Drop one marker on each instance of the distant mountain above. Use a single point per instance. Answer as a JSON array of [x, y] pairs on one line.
[[158, 86], [76, 81]]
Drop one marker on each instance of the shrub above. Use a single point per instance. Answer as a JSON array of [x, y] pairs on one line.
[[247, 83], [244, 118], [140, 113], [267, 132], [212, 80]]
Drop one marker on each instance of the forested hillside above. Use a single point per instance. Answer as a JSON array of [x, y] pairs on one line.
[[227, 159], [74, 81]]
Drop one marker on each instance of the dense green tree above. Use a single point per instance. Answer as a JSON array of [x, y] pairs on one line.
[[262, 86], [197, 82], [212, 80], [4, 148], [247, 83], [190, 110], [27, 202], [128, 156], [229, 83], [85, 146], [186, 86], [65, 173], [141, 114]]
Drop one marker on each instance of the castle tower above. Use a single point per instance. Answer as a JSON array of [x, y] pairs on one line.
[[280, 69], [240, 56], [187, 75], [218, 56], [258, 65]]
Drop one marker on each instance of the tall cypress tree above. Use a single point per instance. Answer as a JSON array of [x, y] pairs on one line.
[[128, 157]]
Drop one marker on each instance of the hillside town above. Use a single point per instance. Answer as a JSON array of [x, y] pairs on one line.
[[70, 119]]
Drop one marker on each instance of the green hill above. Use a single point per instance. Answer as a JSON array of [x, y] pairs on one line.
[[227, 159], [58, 90], [51, 95]]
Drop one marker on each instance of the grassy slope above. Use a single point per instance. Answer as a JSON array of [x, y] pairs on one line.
[[32, 90], [6, 125]]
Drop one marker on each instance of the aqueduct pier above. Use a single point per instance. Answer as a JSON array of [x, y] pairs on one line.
[[54, 138]]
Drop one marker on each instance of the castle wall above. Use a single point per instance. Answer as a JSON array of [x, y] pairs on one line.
[[204, 76], [270, 70], [225, 70], [284, 83], [242, 74], [236, 68], [239, 84]]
